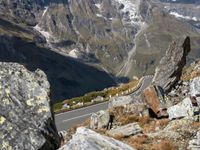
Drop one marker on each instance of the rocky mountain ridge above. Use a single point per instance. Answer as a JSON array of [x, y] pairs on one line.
[[161, 118], [119, 37]]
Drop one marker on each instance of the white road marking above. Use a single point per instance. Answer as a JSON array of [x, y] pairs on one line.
[[81, 109], [148, 76], [77, 117]]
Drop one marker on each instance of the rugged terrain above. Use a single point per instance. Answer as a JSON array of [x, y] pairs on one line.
[[89, 45], [121, 37], [66, 75], [26, 121], [165, 116]]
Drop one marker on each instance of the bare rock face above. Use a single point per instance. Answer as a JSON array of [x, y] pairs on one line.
[[194, 144], [182, 109], [24, 11], [90, 140], [195, 87], [126, 131], [25, 118], [155, 98], [85, 29], [99, 120], [169, 70]]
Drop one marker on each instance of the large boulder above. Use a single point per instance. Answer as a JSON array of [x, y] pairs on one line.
[[125, 131], [185, 108], [99, 120], [169, 70], [138, 109], [195, 87], [25, 118], [86, 139], [154, 96]]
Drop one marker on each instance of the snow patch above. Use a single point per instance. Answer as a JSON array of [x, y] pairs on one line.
[[73, 53], [45, 10], [130, 9], [99, 6], [147, 40], [46, 34], [101, 16], [177, 15]]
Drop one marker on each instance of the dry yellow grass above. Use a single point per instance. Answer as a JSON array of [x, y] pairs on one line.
[[138, 142], [133, 84], [162, 122], [164, 145], [119, 137], [126, 119], [142, 142], [148, 124], [196, 124], [101, 131], [191, 72]]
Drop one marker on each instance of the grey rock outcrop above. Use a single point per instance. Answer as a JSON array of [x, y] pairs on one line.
[[180, 92], [182, 109], [138, 109], [90, 140], [99, 120], [25, 118], [169, 70], [154, 96], [24, 11], [87, 26], [194, 144], [125, 131], [195, 87]]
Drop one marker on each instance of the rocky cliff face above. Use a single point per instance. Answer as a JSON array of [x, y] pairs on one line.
[[175, 123], [104, 30], [169, 70], [122, 37], [93, 30], [166, 22], [22, 10], [26, 121], [67, 75]]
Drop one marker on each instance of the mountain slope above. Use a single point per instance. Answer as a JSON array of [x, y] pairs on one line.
[[68, 77], [122, 37], [154, 40]]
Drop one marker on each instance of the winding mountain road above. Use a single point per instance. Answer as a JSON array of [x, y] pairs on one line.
[[66, 120]]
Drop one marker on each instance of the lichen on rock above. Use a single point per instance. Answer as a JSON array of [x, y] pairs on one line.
[[26, 121]]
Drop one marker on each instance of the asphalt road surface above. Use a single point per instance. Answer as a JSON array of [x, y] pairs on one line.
[[66, 120]]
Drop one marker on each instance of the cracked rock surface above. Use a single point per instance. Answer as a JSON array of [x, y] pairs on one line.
[[25, 116]]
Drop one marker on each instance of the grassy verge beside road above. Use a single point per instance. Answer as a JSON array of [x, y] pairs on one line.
[[96, 97]]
